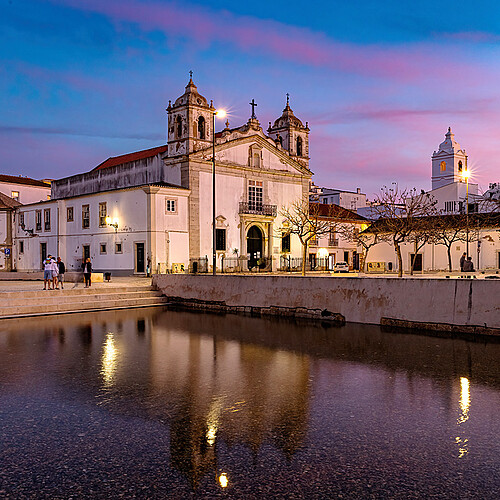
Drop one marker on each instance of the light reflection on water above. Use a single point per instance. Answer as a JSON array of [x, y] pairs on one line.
[[464, 407], [109, 355], [243, 404]]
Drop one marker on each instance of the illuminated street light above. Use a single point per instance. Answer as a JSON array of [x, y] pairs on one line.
[[220, 113], [112, 222]]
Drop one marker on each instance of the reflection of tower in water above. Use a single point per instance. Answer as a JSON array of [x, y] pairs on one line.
[[464, 407], [217, 389]]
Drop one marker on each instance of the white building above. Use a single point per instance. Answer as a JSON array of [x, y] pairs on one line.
[[352, 200], [24, 189], [159, 201]]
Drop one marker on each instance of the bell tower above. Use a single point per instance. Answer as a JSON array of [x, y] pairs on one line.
[[289, 131], [449, 162], [189, 122]]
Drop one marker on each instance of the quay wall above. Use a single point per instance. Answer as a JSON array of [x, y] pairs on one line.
[[437, 304]]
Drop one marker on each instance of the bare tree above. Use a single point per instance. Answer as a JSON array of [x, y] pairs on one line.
[[400, 214], [308, 221], [364, 239], [449, 229]]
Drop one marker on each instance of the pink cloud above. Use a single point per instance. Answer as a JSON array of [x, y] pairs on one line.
[[204, 26]]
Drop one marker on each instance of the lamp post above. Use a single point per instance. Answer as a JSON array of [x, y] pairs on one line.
[[221, 114], [466, 176]]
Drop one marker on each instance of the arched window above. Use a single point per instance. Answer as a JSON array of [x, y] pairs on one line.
[[281, 140], [443, 166], [178, 126], [459, 166], [299, 146], [201, 127]]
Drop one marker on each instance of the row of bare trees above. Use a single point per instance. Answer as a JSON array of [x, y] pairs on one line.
[[401, 217]]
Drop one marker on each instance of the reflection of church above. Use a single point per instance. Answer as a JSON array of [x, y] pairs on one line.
[[160, 200]]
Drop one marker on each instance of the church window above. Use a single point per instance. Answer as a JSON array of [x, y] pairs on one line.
[[299, 146], [85, 216], [220, 239], [171, 206], [102, 248], [69, 214], [256, 160], [443, 166], [118, 248], [15, 195], [46, 219], [255, 195], [21, 247], [285, 242], [21, 219], [103, 212], [201, 127], [460, 166], [178, 127], [38, 220]]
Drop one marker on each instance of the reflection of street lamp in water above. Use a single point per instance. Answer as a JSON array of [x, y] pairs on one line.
[[466, 175]]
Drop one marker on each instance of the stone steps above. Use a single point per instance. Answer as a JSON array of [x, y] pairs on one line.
[[45, 302]]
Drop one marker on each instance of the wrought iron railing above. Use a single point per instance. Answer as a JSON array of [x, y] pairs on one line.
[[257, 208]]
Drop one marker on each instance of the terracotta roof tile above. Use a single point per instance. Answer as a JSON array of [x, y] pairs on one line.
[[337, 212], [8, 202], [17, 179], [129, 157]]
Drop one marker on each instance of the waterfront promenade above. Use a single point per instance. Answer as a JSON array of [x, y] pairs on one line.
[[27, 298]]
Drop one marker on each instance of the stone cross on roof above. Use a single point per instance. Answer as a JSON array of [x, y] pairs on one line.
[[253, 104]]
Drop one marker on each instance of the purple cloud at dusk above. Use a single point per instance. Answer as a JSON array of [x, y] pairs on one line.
[[379, 87]]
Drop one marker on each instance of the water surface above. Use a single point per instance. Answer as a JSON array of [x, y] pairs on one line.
[[154, 403]]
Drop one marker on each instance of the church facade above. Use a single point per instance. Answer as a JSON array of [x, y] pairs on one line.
[[153, 208]]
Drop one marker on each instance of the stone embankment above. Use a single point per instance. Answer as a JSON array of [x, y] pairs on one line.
[[17, 304], [444, 305]]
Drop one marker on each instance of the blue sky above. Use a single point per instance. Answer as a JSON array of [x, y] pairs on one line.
[[378, 82]]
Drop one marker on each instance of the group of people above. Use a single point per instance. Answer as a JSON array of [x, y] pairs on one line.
[[53, 273], [466, 264]]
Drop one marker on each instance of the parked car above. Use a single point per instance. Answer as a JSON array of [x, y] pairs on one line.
[[341, 267]]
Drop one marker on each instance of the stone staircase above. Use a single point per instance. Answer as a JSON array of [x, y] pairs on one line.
[[18, 304]]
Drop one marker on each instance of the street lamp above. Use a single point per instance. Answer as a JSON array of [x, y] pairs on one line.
[[220, 114], [466, 175], [112, 222]]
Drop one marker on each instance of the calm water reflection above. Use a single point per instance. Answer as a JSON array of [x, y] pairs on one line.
[[164, 404]]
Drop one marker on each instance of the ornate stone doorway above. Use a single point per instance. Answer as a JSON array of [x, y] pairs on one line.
[[254, 245]]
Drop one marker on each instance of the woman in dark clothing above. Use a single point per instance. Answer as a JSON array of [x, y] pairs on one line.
[[87, 272]]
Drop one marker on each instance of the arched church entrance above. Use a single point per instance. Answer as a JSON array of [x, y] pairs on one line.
[[254, 245]]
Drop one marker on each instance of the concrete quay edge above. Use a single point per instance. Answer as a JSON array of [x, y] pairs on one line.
[[452, 305]]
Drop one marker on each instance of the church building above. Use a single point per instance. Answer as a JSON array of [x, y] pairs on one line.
[[153, 208]]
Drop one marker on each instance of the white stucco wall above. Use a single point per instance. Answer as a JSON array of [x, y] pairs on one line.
[[27, 193]]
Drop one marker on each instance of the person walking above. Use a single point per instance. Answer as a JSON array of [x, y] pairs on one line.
[[47, 272], [87, 272], [462, 261], [468, 265], [62, 269], [55, 272]]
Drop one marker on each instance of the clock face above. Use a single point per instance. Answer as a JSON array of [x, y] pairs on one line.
[[443, 166]]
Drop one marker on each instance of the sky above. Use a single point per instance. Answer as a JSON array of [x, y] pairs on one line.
[[379, 82]]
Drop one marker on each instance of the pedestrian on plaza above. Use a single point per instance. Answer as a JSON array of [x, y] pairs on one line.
[[62, 269], [87, 272], [468, 265], [47, 272], [55, 272], [462, 260]]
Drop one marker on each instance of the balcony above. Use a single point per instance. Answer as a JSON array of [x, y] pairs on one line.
[[333, 242], [257, 209]]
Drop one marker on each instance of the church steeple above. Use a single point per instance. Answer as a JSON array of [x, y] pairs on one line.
[[189, 123], [448, 162], [292, 134]]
